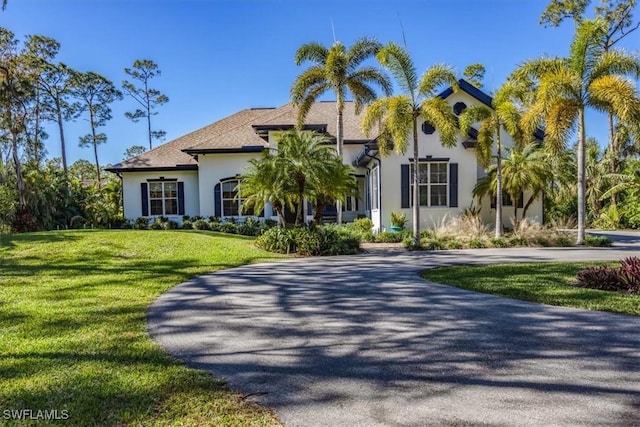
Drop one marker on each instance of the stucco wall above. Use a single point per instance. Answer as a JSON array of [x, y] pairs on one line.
[[213, 168], [132, 198]]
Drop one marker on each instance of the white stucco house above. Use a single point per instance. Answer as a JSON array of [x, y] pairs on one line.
[[196, 174]]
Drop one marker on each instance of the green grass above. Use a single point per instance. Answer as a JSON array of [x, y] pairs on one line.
[[72, 327], [547, 283]]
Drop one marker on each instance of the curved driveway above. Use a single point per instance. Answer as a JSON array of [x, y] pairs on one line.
[[363, 341]]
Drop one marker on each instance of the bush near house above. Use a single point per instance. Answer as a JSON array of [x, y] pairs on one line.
[[309, 241]]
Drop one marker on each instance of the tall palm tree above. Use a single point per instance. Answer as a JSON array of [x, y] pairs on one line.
[[504, 115], [396, 117], [338, 69], [566, 87]]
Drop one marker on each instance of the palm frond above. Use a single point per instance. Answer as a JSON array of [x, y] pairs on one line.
[[306, 82], [486, 137], [616, 62], [307, 102], [313, 52], [560, 122], [438, 112], [472, 115], [363, 49], [617, 95], [585, 48], [437, 77], [399, 63], [375, 76]]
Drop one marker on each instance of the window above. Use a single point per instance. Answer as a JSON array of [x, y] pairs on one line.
[[163, 198], [375, 189], [231, 203], [432, 182]]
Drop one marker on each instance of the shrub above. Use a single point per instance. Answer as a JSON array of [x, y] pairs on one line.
[[248, 229], [309, 241], [187, 224], [389, 237], [597, 241], [228, 227], [432, 244], [363, 225], [518, 241], [279, 240], [602, 278], [156, 225], [215, 226], [476, 244], [201, 224], [499, 242], [170, 225], [629, 274], [270, 223], [453, 244], [214, 219], [141, 223]]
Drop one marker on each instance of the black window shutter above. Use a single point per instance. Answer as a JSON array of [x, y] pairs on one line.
[[521, 200], [180, 198], [453, 185], [493, 202], [217, 200], [144, 192], [404, 186]]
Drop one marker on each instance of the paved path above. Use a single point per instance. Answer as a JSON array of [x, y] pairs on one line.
[[362, 341]]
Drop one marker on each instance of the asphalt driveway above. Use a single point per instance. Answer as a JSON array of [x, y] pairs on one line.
[[363, 341]]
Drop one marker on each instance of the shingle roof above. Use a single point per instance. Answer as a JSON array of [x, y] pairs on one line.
[[237, 133]]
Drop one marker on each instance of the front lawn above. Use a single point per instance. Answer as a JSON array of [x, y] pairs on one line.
[[72, 328], [547, 283]]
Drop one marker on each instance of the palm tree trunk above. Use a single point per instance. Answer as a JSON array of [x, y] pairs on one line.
[[63, 148], [416, 187], [498, 186], [339, 150], [613, 149], [581, 179]]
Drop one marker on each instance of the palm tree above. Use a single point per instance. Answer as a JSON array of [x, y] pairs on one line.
[[565, 87], [338, 69], [299, 168], [262, 183], [503, 115], [523, 169], [336, 182], [396, 117], [526, 169]]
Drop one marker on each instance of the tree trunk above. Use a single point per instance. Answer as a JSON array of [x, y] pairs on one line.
[[581, 179], [416, 187], [317, 217], [95, 146], [146, 94], [339, 149], [528, 204], [63, 148], [22, 191], [498, 186], [613, 150], [299, 213]]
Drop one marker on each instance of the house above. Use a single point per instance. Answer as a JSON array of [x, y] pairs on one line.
[[196, 174]]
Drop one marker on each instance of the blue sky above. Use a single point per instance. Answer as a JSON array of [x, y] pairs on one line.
[[218, 57]]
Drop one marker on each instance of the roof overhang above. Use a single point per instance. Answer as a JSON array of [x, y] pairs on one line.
[[117, 169], [243, 149]]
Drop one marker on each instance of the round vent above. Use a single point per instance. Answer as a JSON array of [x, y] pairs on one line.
[[428, 128], [459, 107]]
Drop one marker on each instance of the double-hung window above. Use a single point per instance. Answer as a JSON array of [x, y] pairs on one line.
[[163, 198], [433, 180], [231, 201]]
